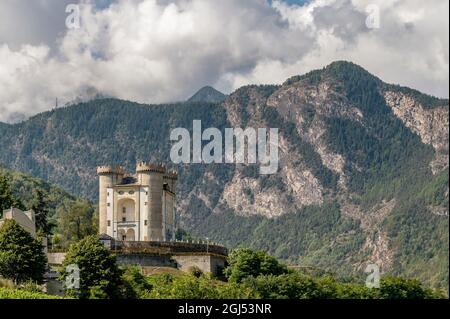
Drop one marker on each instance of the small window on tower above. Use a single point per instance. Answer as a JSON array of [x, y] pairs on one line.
[[124, 219], [109, 204], [107, 194], [145, 222], [109, 223], [146, 193], [124, 210]]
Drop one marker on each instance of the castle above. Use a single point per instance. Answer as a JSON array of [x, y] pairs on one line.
[[137, 220], [139, 207]]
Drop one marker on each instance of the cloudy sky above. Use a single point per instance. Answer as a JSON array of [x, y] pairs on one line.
[[156, 51]]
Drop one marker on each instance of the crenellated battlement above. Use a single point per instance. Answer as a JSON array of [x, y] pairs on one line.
[[150, 167], [171, 174], [107, 169]]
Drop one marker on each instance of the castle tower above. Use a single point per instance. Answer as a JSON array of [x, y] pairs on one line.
[[108, 177], [169, 214], [138, 207], [151, 175]]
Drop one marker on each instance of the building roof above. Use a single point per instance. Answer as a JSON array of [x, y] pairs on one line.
[[104, 237], [25, 219]]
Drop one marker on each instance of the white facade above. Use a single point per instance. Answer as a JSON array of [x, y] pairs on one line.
[[139, 207]]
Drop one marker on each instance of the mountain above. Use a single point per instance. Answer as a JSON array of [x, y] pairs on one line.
[[208, 94], [363, 172]]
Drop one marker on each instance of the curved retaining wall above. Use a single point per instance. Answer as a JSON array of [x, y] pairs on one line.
[[164, 248], [179, 255]]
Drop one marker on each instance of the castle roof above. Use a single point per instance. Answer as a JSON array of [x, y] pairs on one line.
[[110, 170], [141, 167], [150, 167]]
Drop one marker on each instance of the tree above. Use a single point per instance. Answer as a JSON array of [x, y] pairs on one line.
[[287, 286], [244, 263], [135, 285], [76, 221], [181, 234], [7, 200], [100, 277], [22, 257], [401, 288], [40, 206]]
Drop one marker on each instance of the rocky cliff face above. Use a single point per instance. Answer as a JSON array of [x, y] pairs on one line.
[[430, 124]]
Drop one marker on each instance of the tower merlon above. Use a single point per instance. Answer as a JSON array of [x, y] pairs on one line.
[[106, 169], [171, 175], [143, 167]]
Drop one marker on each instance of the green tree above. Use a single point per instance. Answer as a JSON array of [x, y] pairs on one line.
[[7, 200], [100, 277], [244, 262], [22, 257], [40, 206], [293, 285], [136, 285], [76, 221], [401, 288]]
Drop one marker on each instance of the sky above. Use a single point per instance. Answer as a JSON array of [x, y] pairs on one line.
[[156, 51]]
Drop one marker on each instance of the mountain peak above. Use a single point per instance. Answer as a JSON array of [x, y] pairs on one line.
[[337, 69], [208, 94]]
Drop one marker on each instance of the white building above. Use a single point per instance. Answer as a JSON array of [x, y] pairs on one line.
[[26, 219], [139, 207]]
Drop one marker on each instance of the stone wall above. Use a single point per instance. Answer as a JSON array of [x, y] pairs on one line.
[[56, 258], [206, 263], [184, 262], [146, 260], [169, 248], [177, 255]]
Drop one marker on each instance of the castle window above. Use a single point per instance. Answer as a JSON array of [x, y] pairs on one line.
[[145, 222], [107, 194], [146, 193], [124, 219], [121, 193], [109, 223], [124, 210], [131, 192], [109, 204]]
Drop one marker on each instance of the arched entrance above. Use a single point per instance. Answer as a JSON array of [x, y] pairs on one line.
[[122, 235], [130, 235]]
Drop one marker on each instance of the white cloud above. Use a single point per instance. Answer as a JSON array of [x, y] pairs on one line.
[[158, 51]]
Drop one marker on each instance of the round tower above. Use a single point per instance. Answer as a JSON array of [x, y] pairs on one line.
[[170, 178], [108, 177], [151, 175], [169, 218]]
